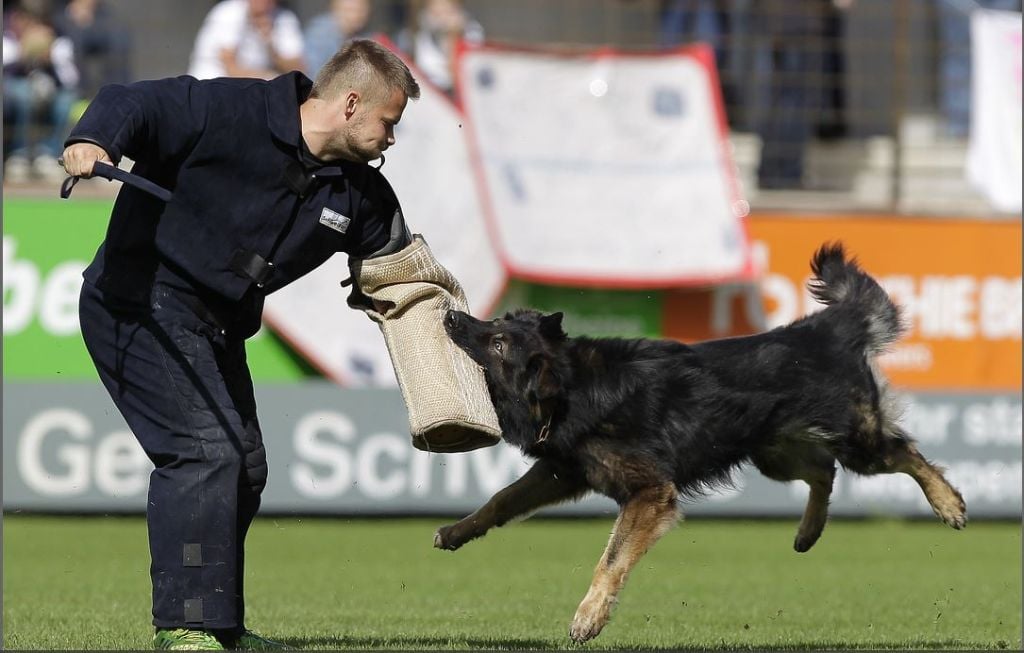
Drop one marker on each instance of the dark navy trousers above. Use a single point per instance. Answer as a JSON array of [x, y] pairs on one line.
[[184, 388]]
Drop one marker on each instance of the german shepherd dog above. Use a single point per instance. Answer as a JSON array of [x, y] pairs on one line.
[[647, 422]]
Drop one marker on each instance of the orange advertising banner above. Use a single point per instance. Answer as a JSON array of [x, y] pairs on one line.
[[958, 282]]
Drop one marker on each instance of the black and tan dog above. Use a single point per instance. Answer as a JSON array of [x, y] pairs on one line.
[[647, 421]]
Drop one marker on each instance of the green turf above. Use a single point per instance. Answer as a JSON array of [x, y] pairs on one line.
[[334, 584]]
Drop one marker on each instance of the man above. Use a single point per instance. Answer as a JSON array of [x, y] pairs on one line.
[[344, 20], [247, 38], [269, 179], [439, 26]]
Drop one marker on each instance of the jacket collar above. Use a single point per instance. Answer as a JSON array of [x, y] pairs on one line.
[[287, 92]]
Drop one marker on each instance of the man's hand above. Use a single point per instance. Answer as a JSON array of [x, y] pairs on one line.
[[79, 158]]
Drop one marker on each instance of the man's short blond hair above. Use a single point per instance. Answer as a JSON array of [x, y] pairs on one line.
[[368, 67]]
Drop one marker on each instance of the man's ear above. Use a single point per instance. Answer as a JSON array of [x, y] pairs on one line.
[[352, 100], [551, 327], [542, 386]]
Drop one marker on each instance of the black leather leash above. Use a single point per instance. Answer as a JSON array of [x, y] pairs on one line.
[[109, 172]]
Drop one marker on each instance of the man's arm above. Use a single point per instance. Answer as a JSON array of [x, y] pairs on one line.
[[150, 121], [287, 43]]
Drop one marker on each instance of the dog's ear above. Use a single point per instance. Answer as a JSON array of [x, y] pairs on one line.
[[542, 386], [551, 327]]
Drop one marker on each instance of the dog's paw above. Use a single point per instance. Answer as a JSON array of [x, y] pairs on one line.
[[584, 629], [445, 539], [806, 537], [959, 522], [953, 512], [591, 617], [803, 543]]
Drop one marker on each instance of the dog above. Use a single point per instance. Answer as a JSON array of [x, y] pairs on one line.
[[647, 422]]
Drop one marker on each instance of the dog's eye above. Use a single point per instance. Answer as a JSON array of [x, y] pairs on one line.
[[498, 345]]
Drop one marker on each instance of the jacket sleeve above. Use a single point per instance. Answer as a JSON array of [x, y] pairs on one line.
[[383, 227], [151, 121]]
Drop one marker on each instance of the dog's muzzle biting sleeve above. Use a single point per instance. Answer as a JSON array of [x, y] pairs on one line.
[[407, 293]]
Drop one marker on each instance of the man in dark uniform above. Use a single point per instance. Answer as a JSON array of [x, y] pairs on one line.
[[269, 179]]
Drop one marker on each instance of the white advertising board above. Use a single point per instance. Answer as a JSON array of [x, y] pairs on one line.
[[605, 168], [994, 154]]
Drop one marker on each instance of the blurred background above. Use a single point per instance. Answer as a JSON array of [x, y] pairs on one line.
[[878, 93], [894, 126]]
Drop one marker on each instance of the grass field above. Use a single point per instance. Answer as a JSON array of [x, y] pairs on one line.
[[82, 583]]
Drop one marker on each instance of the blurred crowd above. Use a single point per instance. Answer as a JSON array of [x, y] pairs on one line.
[[57, 54], [783, 68], [54, 57], [781, 63]]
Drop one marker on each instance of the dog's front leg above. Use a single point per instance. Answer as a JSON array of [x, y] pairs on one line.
[[538, 487], [643, 519]]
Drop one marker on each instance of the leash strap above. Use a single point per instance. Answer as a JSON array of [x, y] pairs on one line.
[[109, 172]]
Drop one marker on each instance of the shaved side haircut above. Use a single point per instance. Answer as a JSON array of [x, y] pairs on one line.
[[368, 67]]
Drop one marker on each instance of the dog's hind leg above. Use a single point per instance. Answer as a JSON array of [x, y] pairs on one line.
[[644, 518], [540, 486]]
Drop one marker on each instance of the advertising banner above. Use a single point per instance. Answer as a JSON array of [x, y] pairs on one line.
[[47, 245], [348, 452], [957, 281], [603, 168]]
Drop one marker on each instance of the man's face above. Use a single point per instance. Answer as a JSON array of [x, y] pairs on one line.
[[259, 8], [370, 128], [352, 15]]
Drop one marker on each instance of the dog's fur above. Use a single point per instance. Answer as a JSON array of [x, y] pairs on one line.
[[648, 421]]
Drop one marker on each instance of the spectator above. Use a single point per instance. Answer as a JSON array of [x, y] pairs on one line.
[[431, 44], [833, 123], [247, 38], [102, 45], [326, 33], [40, 81], [714, 22], [788, 90]]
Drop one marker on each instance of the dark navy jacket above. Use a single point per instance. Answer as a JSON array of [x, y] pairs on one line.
[[246, 216]]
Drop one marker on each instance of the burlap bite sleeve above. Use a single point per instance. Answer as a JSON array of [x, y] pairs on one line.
[[407, 294]]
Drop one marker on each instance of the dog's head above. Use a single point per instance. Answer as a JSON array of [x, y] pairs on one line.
[[520, 354]]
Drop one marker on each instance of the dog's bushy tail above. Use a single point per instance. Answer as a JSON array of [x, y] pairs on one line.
[[840, 281]]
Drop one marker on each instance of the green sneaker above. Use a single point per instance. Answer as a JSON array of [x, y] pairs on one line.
[[250, 641], [185, 639]]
